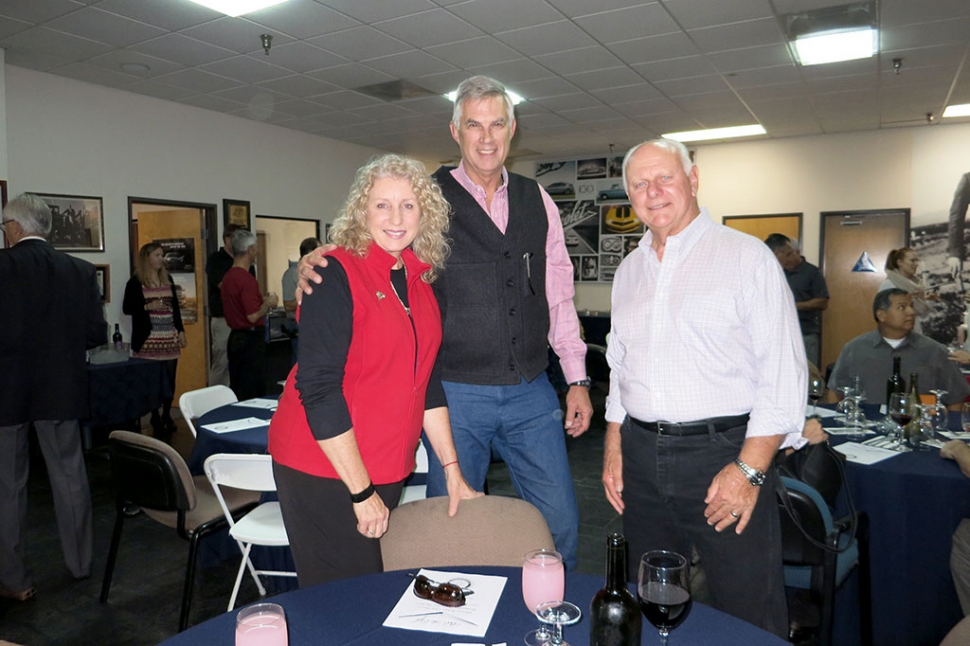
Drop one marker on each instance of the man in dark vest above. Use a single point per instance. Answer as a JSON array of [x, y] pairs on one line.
[[506, 294]]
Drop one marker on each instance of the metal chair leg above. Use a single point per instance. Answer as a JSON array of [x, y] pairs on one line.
[[109, 568], [189, 581]]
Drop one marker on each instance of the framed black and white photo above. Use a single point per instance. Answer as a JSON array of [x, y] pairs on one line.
[[102, 274], [237, 212], [77, 222]]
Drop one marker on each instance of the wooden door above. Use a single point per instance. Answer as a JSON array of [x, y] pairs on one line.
[[762, 226], [185, 224], [845, 238]]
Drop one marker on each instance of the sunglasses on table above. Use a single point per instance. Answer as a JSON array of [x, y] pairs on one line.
[[447, 594]]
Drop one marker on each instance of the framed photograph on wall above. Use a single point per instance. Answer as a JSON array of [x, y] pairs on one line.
[[237, 212], [102, 274], [77, 222]]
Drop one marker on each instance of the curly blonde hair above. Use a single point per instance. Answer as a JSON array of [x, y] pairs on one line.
[[350, 231]]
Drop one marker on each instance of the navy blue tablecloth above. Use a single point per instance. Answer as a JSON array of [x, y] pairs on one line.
[[352, 611], [250, 440], [125, 391], [915, 501]]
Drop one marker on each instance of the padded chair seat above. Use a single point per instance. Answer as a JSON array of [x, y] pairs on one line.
[[206, 505], [263, 526], [800, 576], [959, 635]]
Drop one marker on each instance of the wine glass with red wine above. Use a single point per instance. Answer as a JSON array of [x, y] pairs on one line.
[[901, 412], [664, 590]]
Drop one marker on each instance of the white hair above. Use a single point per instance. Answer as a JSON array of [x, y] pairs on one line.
[[481, 87], [670, 145]]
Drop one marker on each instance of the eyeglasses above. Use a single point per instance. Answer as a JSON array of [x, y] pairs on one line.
[[447, 594], [3, 225]]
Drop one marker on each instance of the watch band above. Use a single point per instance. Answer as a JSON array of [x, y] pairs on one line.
[[363, 495], [755, 477], [587, 382]]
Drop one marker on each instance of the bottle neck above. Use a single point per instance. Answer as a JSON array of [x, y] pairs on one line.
[[616, 565]]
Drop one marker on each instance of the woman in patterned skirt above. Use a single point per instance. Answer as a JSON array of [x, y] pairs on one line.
[[156, 324]]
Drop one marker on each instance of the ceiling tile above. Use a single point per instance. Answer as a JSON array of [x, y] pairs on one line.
[[771, 92], [236, 34], [495, 16], [469, 53], [36, 12], [54, 43], [351, 75], [371, 12], [33, 60], [692, 102], [627, 94], [97, 75], [172, 16], [723, 116], [442, 82], [568, 102], [893, 13], [677, 68], [410, 64], [244, 94], [546, 39], [344, 100], [694, 85], [945, 56], [784, 110], [302, 18], [626, 24], [114, 59], [104, 27], [197, 81], [11, 26], [300, 57], [654, 48], [183, 50], [845, 68], [429, 106], [360, 43], [579, 60], [574, 8], [159, 90], [751, 58], [603, 79], [591, 114], [692, 14], [926, 34], [763, 76], [245, 69], [551, 86], [381, 111], [843, 84], [648, 107], [751, 33], [511, 72], [298, 85], [301, 108], [210, 102], [435, 27]]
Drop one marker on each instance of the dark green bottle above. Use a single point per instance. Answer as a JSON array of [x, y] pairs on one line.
[[614, 613]]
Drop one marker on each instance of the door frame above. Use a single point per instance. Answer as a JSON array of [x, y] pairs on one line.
[[868, 212], [209, 232]]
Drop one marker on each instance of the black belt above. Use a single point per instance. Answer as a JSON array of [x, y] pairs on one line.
[[700, 427]]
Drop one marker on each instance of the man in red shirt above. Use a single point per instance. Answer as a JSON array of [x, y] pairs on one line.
[[245, 309]]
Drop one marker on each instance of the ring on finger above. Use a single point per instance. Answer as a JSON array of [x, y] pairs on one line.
[[735, 514]]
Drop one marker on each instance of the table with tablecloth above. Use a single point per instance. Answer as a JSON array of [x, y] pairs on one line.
[[122, 392], [351, 611], [914, 501]]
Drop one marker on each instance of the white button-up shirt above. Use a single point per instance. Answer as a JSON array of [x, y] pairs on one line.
[[711, 331]]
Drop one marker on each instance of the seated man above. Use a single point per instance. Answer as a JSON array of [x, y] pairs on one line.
[[870, 356]]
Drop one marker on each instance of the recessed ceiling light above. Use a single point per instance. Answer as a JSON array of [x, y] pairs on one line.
[[836, 46], [717, 133], [960, 110], [233, 8], [134, 67], [516, 98]]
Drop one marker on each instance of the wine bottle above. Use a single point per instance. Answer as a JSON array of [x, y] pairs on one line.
[[116, 339], [895, 383], [615, 618]]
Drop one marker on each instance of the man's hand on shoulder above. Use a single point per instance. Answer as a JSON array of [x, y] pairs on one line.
[[307, 273]]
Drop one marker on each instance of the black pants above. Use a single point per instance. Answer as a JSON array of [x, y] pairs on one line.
[[247, 356], [322, 526]]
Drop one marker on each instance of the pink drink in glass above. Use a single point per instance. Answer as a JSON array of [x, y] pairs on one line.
[[543, 578], [263, 624]]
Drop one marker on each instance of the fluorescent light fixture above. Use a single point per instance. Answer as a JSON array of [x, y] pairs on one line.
[[836, 46], [233, 8], [960, 110], [717, 133], [516, 99]]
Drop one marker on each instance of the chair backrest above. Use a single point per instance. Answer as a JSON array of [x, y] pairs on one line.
[[959, 635], [196, 403], [491, 530], [240, 471], [150, 473], [814, 517]]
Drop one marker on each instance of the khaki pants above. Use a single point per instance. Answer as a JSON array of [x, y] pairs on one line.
[[219, 367]]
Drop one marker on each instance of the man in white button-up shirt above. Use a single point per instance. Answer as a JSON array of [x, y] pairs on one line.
[[708, 381]]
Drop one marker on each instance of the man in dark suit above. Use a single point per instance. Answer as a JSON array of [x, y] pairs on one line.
[[52, 313]]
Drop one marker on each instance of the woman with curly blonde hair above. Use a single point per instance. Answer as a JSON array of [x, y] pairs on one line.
[[343, 438]]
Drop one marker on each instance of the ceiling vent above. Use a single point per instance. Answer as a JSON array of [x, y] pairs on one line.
[[395, 91]]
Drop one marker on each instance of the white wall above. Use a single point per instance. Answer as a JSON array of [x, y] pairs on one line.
[[915, 168], [69, 137]]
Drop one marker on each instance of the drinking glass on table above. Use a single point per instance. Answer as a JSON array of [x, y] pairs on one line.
[[558, 614], [939, 417], [845, 405], [856, 418], [965, 417], [261, 624], [816, 387], [664, 590], [543, 579], [901, 412]]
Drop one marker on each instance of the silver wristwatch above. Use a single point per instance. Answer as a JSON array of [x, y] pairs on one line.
[[755, 477]]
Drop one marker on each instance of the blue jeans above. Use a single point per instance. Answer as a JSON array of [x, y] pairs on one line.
[[665, 481], [523, 423]]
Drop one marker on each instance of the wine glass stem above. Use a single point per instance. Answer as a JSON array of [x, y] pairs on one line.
[[556, 634], [663, 637]]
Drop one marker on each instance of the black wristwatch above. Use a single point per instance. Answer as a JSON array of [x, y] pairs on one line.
[[587, 382]]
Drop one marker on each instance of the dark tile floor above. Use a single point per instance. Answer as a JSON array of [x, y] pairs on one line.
[[143, 606]]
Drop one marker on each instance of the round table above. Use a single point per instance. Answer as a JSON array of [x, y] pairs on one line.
[[250, 440], [915, 501], [351, 611]]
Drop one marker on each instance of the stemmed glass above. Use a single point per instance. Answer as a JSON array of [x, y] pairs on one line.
[[816, 386], [901, 412], [856, 418], [924, 433], [941, 412], [543, 579], [846, 404], [559, 614], [664, 589]]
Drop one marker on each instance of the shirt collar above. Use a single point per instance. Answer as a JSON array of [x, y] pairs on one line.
[[686, 239], [465, 179]]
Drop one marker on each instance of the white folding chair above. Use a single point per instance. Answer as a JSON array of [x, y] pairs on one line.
[[414, 492], [196, 403], [261, 526]]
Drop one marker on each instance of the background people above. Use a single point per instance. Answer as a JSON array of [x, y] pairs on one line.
[[902, 266], [215, 270], [245, 310], [809, 289], [52, 313], [353, 407], [156, 322], [290, 278], [708, 381]]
